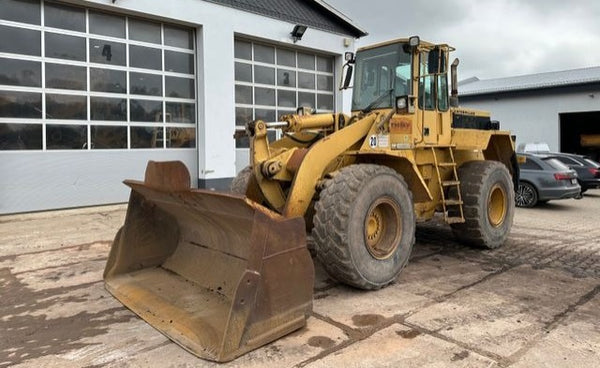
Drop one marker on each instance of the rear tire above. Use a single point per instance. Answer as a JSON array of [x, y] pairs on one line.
[[526, 196], [364, 226], [239, 185], [488, 204]]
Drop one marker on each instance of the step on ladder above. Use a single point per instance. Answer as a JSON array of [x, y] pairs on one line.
[[453, 204]]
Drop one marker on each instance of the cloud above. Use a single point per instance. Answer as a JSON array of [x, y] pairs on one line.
[[493, 38]]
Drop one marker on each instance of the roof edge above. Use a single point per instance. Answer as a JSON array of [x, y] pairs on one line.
[[341, 16], [531, 82], [490, 91]]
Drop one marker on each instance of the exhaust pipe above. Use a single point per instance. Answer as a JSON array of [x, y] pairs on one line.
[[454, 83]]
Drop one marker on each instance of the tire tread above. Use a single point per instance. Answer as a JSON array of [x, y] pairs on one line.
[[331, 221], [473, 177]]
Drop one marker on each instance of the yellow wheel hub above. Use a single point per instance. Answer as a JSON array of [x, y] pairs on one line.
[[497, 206], [375, 226], [383, 228]]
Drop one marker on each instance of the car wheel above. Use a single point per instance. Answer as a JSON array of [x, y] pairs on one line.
[[526, 195]]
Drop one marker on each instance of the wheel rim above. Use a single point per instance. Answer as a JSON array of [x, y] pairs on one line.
[[497, 206], [524, 195], [383, 228]]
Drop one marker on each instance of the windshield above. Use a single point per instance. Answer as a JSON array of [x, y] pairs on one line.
[[381, 71]]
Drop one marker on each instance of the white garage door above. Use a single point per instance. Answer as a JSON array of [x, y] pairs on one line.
[[271, 81], [86, 98]]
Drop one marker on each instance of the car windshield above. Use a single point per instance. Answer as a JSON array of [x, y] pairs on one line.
[[592, 163], [556, 164], [379, 72]]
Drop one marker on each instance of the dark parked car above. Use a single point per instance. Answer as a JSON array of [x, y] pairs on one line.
[[588, 171], [543, 179]]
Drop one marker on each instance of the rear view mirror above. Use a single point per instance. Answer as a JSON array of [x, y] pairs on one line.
[[433, 59], [436, 61], [346, 76]]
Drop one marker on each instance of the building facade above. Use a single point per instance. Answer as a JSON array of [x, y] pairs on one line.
[[92, 90], [556, 107]]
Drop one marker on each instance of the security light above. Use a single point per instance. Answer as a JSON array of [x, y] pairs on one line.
[[298, 32]]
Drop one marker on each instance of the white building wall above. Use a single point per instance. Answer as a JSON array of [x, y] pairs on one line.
[[58, 180], [535, 118]]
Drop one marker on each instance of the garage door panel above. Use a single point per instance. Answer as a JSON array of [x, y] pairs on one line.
[[86, 100], [39, 181], [271, 81]]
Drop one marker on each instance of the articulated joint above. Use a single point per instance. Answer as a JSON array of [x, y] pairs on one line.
[[271, 168]]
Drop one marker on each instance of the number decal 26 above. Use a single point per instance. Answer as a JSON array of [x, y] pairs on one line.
[[373, 141]]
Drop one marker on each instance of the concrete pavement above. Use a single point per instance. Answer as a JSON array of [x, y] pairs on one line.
[[533, 303]]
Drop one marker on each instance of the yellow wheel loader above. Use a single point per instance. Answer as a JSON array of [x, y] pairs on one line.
[[224, 273]]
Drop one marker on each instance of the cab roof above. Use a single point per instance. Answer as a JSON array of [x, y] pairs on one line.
[[422, 44]]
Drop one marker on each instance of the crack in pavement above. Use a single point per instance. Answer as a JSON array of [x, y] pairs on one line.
[[355, 335], [104, 258], [554, 323], [82, 246]]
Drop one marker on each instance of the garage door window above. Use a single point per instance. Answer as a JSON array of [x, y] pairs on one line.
[[272, 81], [73, 78]]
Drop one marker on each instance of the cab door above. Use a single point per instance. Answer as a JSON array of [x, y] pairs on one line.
[[433, 113], [428, 116], [443, 108]]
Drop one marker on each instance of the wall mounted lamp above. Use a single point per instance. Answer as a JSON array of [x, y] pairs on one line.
[[298, 32]]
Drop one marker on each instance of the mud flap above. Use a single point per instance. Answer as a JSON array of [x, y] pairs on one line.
[[217, 273]]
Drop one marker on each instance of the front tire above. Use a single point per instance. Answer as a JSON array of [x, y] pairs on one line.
[[488, 204], [364, 226], [239, 184]]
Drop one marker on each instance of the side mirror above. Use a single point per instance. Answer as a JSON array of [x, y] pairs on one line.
[[436, 61], [346, 75], [433, 61]]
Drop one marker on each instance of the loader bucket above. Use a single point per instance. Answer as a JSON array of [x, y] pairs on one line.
[[217, 273]]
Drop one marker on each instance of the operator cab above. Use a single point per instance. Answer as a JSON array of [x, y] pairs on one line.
[[393, 74]]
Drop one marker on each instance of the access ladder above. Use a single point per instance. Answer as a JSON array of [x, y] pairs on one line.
[[452, 207]]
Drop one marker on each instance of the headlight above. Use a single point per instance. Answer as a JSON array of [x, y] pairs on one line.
[[401, 103]]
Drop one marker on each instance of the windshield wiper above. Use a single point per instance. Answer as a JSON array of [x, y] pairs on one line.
[[378, 101]]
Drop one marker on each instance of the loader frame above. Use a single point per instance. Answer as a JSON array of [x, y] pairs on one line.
[[224, 273]]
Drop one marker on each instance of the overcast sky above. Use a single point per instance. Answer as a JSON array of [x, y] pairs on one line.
[[493, 38]]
